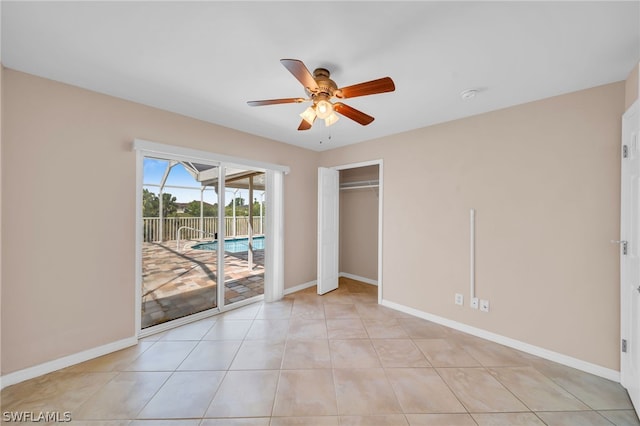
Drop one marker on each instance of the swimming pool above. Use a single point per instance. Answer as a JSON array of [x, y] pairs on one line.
[[236, 245]]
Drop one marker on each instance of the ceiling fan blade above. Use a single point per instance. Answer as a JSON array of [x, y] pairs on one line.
[[352, 113], [305, 125], [300, 71], [276, 101], [372, 87]]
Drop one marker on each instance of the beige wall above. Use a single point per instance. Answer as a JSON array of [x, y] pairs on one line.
[[359, 224], [68, 222], [632, 85], [544, 180]]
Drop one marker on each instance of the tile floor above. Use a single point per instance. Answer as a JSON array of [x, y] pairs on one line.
[[338, 359]]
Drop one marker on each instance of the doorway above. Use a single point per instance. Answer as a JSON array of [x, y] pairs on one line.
[[350, 200]]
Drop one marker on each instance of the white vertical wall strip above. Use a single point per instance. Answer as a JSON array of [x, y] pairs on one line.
[[274, 236], [472, 253]]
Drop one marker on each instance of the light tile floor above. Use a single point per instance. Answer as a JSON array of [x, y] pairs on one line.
[[338, 359]]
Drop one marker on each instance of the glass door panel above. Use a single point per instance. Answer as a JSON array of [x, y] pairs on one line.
[[244, 242], [180, 221]]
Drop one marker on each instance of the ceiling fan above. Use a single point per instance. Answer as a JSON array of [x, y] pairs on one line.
[[321, 89]]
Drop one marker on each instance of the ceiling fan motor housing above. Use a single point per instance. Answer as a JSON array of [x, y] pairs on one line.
[[326, 86]]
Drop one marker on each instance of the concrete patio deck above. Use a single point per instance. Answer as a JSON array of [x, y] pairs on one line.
[[176, 283]]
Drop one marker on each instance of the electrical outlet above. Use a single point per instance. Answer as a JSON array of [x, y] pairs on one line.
[[484, 305], [474, 303], [459, 299]]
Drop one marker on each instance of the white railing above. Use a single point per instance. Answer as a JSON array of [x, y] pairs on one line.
[[151, 227]]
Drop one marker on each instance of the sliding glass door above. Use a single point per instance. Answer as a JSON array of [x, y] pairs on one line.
[[179, 222], [203, 227], [244, 246]]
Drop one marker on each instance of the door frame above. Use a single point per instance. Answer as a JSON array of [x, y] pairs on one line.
[[274, 270], [379, 163]]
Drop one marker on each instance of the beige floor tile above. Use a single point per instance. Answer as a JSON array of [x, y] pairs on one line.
[[582, 418], [305, 354], [621, 417], [276, 310], [300, 343], [353, 354], [115, 361], [444, 353], [123, 397], [364, 392], [491, 354], [399, 353], [162, 356], [245, 394], [340, 310], [305, 393], [348, 328], [535, 390], [374, 311], [56, 392], [248, 312], [440, 420], [337, 297], [259, 355], [306, 421], [479, 391], [195, 390], [507, 419], [382, 420], [421, 329], [308, 310], [421, 390], [193, 331], [300, 328], [268, 329], [384, 329], [228, 329], [598, 393], [253, 421], [364, 298], [211, 355]]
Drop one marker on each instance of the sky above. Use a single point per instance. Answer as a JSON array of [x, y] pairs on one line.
[[154, 169]]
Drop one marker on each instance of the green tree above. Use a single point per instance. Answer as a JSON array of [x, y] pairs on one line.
[[151, 204], [169, 206], [193, 209], [256, 207]]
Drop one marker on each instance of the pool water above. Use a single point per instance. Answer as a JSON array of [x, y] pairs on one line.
[[237, 245]]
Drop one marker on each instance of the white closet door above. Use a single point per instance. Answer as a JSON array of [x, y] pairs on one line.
[[328, 229]]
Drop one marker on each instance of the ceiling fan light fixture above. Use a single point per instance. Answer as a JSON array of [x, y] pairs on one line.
[[324, 109], [309, 115], [331, 119]]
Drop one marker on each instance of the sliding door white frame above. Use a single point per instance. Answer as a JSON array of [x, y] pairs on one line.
[[274, 232]]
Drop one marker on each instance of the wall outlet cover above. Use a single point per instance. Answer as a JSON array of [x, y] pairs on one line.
[[484, 305], [474, 303], [459, 300]]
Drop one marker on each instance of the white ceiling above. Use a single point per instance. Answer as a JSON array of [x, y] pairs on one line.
[[207, 59]]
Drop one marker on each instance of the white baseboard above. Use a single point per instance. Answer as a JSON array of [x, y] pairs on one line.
[[300, 287], [64, 362], [588, 367], [358, 278]]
